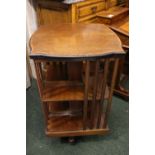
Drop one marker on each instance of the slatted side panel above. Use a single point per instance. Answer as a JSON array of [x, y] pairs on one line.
[[99, 89], [99, 115], [112, 85]]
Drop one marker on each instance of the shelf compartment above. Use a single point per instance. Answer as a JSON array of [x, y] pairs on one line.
[[70, 126], [63, 91], [66, 91]]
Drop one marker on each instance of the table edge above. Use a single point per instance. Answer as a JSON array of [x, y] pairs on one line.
[[75, 58]]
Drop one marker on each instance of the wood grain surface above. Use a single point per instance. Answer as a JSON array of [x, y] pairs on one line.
[[74, 40]]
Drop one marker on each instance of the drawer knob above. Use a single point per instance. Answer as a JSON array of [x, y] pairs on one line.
[[94, 9]]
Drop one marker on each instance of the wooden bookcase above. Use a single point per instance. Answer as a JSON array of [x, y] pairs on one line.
[[76, 86], [59, 98]]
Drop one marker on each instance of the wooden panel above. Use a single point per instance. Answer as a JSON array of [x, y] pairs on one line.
[[50, 16]]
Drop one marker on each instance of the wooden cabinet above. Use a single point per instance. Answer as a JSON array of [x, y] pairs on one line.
[[75, 101], [49, 12], [87, 11]]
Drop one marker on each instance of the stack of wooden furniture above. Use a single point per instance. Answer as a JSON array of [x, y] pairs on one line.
[[76, 99]]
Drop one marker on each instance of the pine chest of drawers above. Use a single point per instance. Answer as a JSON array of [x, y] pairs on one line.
[[49, 12]]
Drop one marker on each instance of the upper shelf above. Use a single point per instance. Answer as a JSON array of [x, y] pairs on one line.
[[68, 91], [74, 41]]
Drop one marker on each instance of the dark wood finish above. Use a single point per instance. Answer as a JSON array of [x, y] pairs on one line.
[[94, 94], [85, 88], [85, 107], [55, 5]]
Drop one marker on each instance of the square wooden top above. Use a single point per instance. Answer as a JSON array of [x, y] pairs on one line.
[[74, 41]]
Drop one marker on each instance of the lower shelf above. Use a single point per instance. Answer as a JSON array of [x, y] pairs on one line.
[[70, 126]]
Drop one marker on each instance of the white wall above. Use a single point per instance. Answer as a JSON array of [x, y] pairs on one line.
[[31, 26]]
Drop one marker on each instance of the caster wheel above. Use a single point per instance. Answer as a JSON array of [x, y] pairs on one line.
[[72, 140]]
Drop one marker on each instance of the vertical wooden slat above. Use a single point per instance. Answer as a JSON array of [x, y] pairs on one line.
[[40, 87], [103, 88], [64, 70], [85, 107], [41, 71], [94, 94], [45, 109], [108, 108], [59, 70], [39, 78], [96, 114]]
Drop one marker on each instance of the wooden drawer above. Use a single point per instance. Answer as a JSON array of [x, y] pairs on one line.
[[90, 9]]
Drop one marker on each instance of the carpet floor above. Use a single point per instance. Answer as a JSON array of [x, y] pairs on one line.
[[37, 143]]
